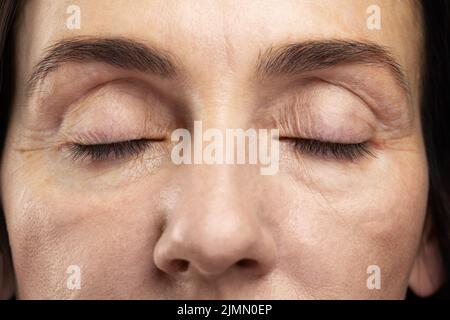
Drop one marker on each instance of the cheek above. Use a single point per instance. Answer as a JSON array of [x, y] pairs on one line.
[[336, 225], [110, 236]]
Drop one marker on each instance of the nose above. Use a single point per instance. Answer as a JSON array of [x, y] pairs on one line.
[[214, 230]]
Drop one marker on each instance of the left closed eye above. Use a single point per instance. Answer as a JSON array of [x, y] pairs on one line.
[[109, 151], [331, 150]]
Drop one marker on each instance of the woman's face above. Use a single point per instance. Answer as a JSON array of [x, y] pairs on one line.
[[351, 187]]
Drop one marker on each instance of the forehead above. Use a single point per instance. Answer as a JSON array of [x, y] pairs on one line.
[[214, 34]]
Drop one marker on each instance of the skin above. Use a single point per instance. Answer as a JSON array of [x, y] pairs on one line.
[[310, 231]]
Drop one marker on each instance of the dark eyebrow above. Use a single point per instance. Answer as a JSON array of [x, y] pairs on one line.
[[313, 55], [120, 52]]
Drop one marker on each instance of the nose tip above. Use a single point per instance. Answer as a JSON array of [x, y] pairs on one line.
[[214, 249]]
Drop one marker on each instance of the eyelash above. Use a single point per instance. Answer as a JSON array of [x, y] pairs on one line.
[[334, 151], [124, 149], [108, 151]]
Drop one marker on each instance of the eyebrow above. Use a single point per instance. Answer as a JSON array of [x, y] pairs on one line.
[[315, 55], [120, 52], [291, 59]]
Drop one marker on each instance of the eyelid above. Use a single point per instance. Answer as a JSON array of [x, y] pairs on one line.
[[108, 151], [324, 122], [332, 150]]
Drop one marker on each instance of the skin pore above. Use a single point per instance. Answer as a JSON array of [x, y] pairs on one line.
[[140, 227]]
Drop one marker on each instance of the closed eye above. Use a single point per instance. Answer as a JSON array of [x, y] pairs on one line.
[[331, 150], [109, 151]]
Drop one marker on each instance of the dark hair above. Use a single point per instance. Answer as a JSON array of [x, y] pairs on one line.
[[8, 12], [434, 111], [435, 116]]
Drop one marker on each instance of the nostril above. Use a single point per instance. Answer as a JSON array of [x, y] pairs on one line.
[[179, 265], [247, 263]]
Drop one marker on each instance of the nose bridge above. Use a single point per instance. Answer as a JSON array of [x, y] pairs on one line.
[[212, 207], [214, 227]]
